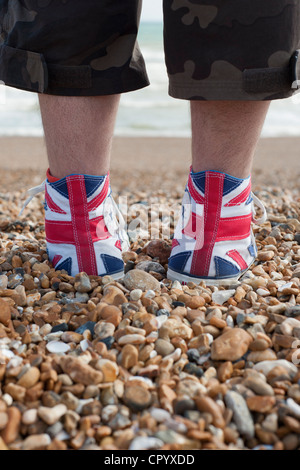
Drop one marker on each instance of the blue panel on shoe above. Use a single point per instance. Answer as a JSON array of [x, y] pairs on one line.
[[199, 181], [249, 200], [252, 250], [112, 264], [66, 265], [231, 183], [61, 186], [92, 183], [224, 267], [178, 262]]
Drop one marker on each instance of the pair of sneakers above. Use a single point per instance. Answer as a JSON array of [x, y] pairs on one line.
[[213, 240]]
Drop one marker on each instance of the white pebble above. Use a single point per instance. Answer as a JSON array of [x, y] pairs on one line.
[[262, 292], [84, 344], [177, 285], [210, 338], [150, 294], [58, 347], [220, 297], [145, 443], [8, 399], [294, 407], [161, 320], [160, 415], [229, 321], [136, 294]]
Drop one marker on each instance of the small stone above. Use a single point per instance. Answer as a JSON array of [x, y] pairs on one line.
[[266, 366], [60, 327], [30, 378], [225, 371], [89, 325], [129, 356], [57, 347], [131, 339], [159, 249], [71, 337], [220, 297], [41, 267], [258, 386], [3, 420], [11, 430], [52, 415], [104, 329], [145, 443], [30, 416], [163, 347], [231, 345], [80, 372], [208, 405], [113, 296], [138, 279], [259, 356], [36, 442], [109, 370], [32, 298], [110, 314], [261, 404], [241, 415], [5, 314], [82, 283], [136, 294], [151, 266], [265, 255], [3, 281], [137, 398]]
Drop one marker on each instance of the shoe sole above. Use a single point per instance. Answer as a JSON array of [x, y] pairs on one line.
[[116, 276], [184, 279]]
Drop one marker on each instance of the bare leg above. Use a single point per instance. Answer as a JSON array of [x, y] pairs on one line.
[[78, 133], [225, 135]]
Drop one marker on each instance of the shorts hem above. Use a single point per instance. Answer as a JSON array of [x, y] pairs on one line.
[[220, 91]]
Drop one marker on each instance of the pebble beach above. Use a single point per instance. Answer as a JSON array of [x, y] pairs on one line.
[[90, 363]]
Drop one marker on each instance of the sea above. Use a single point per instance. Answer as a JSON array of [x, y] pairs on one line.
[[147, 112]]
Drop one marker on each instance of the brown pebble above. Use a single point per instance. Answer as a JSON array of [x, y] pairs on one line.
[[11, 430], [137, 398]]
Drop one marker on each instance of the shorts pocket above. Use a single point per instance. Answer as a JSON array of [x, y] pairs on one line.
[[23, 69]]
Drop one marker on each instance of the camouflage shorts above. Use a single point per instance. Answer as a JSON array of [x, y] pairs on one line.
[[214, 49]]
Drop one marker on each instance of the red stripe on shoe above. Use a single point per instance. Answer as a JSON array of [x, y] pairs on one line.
[[51, 204], [214, 183], [56, 260], [240, 198], [198, 198], [235, 255], [98, 200], [234, 228], [81, 225]]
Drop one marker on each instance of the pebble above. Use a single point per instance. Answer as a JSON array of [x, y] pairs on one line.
[[138, 279], [51, 415], [57, 347], [231, 345], [220, 297], [145, 443], [241, 415], [36, 442], [266, 366]]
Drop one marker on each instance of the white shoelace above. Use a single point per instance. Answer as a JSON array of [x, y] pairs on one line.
[[261, 206], [113, 217]]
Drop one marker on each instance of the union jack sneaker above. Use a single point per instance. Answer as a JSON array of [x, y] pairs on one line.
[[213, 239], [82, 229]]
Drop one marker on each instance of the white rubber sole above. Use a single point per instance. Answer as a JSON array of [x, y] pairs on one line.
[[174, 276], [117, 276]]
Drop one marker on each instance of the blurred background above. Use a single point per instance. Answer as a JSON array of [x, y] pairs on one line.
[[148, 112]]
